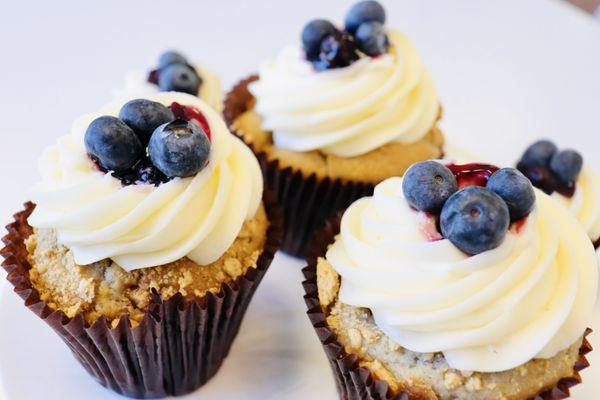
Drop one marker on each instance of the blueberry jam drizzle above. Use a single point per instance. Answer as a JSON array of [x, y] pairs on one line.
[[153, 77], [544, 180], [472, 174], [193, 115], [144, 172]]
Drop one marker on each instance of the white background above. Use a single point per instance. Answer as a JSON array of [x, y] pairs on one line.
[[507, 71]]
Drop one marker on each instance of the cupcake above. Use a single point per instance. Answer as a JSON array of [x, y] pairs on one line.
[[174, 72], [336, 115], [563, 175], [147, 239], [454, 282]]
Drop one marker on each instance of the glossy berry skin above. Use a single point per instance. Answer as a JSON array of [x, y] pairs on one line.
[[566, 165], [179, 78], [170, 57], [179, 149], [144, 116], [112, 143], [372, 39], [427, 185], [515, 189], [475, 220], [313, 34], [364, 11], [539, 154], [337, 51]]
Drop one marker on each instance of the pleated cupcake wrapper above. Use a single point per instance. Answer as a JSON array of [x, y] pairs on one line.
[[358, 383], [307, 202], [178, 346]]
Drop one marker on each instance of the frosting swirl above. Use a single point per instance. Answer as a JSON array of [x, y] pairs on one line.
[[137, 85], [529, 298], [585, 203], [143, 225], [347, 111]]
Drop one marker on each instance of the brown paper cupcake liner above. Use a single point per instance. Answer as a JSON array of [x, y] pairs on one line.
[[178, 346], [358, 383], [307, 202]]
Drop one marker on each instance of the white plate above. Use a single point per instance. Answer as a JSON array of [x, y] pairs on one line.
[[507, 71]]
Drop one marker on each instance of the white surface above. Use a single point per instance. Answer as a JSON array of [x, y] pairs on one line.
[[507, 71]]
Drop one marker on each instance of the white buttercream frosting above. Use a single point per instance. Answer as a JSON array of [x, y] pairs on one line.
[[585, 203], [143, 225], [137, 85], [529, 298], [346, 111]]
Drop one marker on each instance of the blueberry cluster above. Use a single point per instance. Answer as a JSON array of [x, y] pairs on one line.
[[364, 33], [174, 73], [148, 142], [549, 169], [474, 218]]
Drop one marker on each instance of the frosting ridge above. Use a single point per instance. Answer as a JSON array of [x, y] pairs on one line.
[[143, 225], [347, 111], [585, 203]]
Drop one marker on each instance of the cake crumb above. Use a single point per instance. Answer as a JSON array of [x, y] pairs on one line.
[[453, 380], [328, 282], [355, 339], [105, 289]]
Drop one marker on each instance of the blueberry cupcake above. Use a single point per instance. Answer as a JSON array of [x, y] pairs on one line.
[[336, 115], [563, 175], [147, 239], [454, 282], [174, 73]]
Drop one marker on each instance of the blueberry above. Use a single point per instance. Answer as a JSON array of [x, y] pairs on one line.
[[337, 51], [112, 143], [313, 34], [179, 148], [179, 78], [539, 154], [171, 57], [566, 165], [515, 189], [371, 38], [475, 219], [144, 116], [427, 185], [364, 11]]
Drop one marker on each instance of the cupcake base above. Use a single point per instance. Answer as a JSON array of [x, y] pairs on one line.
[[178, 345], [356, 382], [307, 201]]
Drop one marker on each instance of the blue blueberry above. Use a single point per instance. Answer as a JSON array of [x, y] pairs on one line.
[[171, 57], [179, 148], [144, 116], [112, 143], [427, 185], [475, 220], [364, 11], [515, 189], [179, 78], [539, 154], [372, 39], [566, 165], [313, 34]]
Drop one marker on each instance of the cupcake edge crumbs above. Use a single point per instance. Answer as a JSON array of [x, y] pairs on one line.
[[168, 345], [314, 181]]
